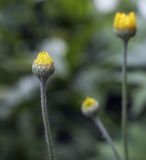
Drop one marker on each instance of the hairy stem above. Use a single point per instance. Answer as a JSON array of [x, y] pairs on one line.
[[124, 102], [48, 135], [106, 135]]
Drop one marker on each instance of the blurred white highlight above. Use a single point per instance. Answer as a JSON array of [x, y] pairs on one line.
[[142, 7], [105, 6], [57, 48]]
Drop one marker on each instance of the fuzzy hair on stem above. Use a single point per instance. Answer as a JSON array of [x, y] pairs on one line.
[[48, 135]]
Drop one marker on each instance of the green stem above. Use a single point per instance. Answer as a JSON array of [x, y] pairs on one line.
[[124, 101], [48, 135], [101, 127]]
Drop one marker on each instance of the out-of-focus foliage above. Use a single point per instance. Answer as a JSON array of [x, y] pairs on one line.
[[88, 58]]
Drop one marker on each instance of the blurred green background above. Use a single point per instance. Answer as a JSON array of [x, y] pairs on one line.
[[88, 57]]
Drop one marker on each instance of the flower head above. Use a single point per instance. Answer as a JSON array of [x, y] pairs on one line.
[[90, 107], [125, 25], [43, 65]]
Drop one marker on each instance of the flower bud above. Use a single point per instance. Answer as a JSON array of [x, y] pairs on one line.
[[125, 25], [43, 65], [90, 107]]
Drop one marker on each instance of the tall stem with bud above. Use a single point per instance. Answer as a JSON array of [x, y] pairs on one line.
[[43, 67], [90, 108], [125, 28]]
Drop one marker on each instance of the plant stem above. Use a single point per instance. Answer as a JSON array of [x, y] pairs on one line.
[[101, 127], [48, 135], [124, 101]]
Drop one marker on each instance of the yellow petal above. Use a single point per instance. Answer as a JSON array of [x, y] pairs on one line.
[[43, 59]]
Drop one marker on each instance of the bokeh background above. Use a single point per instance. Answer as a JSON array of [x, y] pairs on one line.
[[88, 58]]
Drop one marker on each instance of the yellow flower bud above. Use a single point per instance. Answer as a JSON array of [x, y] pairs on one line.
[[43, 65], [125, 25], [90, 107]]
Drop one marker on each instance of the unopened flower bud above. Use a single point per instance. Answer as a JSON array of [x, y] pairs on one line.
[[43, 65], [90, 107], [125, 25]]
